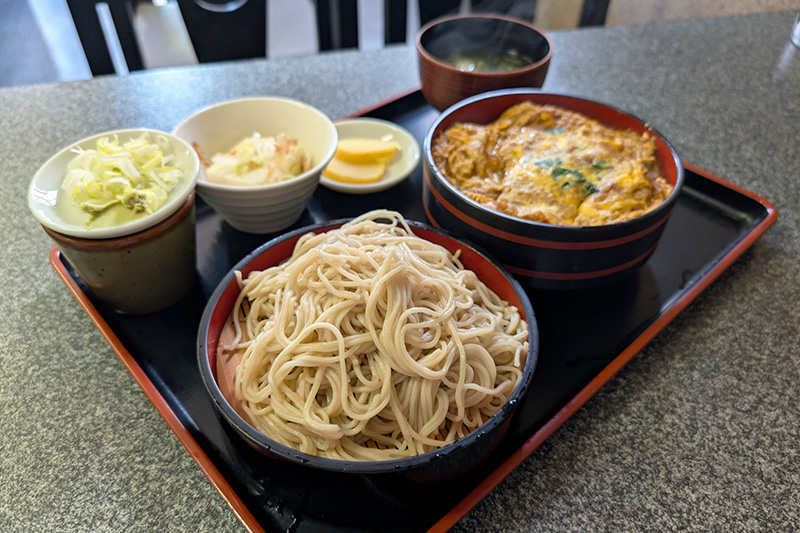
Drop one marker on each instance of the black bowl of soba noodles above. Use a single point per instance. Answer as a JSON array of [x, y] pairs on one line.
[[369, 346]]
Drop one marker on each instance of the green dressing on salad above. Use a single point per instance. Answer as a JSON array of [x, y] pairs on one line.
[[120, 182]]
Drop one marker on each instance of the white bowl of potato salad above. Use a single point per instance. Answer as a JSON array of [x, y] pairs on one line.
[[261, 159]]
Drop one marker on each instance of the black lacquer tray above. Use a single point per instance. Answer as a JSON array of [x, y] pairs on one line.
[[713, 223]]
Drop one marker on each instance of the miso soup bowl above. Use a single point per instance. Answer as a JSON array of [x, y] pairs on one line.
[[464, 55], [540, 255], [448, 461]]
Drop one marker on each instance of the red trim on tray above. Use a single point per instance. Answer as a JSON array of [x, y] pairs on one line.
[[539, 243], [579, 275], [525, 450], [620, 361], [195, 451]]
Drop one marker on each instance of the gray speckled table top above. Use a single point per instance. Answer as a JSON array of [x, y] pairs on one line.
[[701, 431]]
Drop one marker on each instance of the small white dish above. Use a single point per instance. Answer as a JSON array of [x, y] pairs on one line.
[[398, 168], [56, 212]]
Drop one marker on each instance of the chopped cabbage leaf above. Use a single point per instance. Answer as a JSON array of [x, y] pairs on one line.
[[136, 175]]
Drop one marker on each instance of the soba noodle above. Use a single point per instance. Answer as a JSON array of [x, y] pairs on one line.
[[370, 343]]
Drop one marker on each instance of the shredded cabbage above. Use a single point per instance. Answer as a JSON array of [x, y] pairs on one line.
[[258, 160], [137, 175]]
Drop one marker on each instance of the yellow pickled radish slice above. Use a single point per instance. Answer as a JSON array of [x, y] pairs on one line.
[[361, 151], [339, 170]]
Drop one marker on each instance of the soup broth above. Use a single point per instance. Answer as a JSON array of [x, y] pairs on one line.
[[490, 61]]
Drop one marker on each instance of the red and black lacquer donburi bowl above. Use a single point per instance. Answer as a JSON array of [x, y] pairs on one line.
[[451, 460], [546, 256]]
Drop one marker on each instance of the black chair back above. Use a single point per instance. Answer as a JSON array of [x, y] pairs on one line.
[[90, 32], [220, 35], [337, 20], [218, 31], [235, 29]]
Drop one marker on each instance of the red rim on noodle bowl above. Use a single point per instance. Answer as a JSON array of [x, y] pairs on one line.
[[447, 461]]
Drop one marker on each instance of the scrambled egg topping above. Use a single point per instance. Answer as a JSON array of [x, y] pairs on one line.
[[547, 164]]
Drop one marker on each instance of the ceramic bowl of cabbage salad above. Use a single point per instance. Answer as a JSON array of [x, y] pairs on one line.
[[114, 183], [120, 206], [261, 159]]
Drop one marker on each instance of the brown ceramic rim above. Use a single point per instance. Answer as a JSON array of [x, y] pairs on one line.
[[447, 66], [119, 243]]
